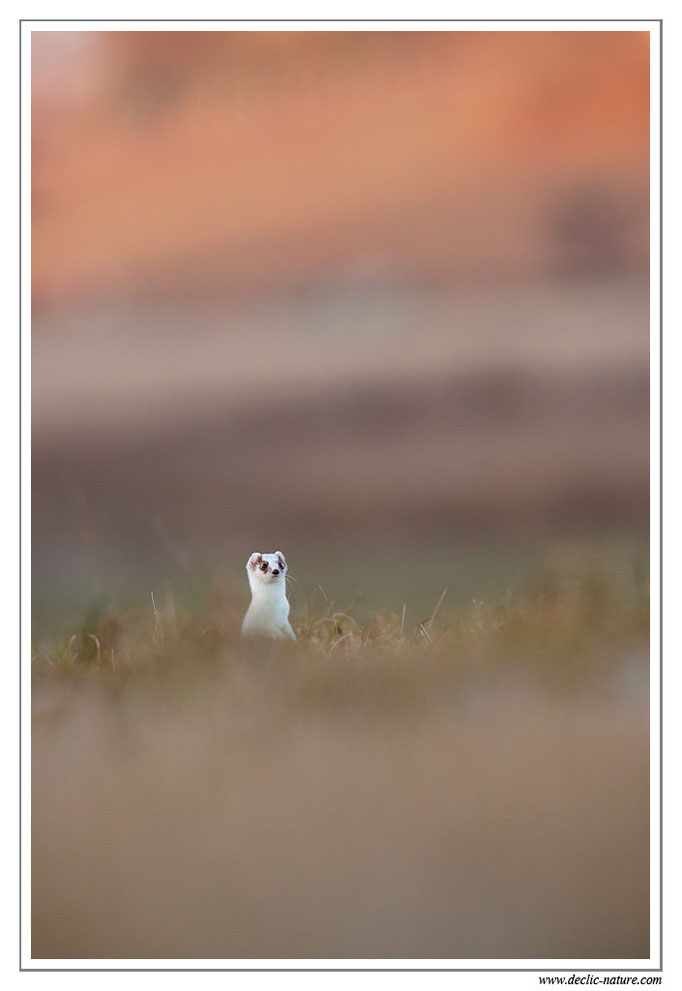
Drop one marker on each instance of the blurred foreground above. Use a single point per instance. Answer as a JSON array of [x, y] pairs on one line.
[[471, 785]]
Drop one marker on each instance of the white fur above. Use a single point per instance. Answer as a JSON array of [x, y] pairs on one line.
[[268, 614]]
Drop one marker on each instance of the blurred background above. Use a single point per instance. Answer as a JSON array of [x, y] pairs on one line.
[[377, 299], [381, 301]]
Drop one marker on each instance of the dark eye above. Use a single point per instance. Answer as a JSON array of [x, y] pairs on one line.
[[282, 565], [263, 566]]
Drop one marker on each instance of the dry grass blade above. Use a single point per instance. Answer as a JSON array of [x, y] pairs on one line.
[[97, 645], [424, 632], [345, 615], [426, 623], [326, 599], [158, 626], [337, 642]]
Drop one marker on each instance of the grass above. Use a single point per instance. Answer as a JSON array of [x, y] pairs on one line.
[[555, 624], [470, 781]]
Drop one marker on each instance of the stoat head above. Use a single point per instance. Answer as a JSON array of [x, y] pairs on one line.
[[266, 569]]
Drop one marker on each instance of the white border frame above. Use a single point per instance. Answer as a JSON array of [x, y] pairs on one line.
[[513, 965]]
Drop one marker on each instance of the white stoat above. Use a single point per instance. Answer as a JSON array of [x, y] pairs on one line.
[[268, 614]]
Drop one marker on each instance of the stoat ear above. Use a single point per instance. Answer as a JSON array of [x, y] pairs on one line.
[[255, 559]]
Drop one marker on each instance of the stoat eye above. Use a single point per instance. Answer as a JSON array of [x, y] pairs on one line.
[[263, 566]]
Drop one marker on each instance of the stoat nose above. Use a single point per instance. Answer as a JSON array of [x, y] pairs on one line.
[[275, 571]]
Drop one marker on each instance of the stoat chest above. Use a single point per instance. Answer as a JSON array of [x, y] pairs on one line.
[[268, 614]]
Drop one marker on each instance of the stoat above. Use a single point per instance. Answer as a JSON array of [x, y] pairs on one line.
[[268, 614]]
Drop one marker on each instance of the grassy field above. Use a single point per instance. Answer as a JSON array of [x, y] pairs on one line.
[[469, 781]]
